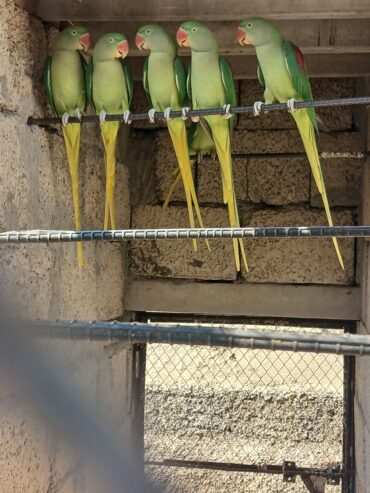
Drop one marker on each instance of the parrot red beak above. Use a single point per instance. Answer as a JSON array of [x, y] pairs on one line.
[[140, 41], [122, 49], [242, 37], [85, 41], [182, 37]]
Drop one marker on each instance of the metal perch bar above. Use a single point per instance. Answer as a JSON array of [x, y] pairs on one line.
[[364, 100], [59, 236], [348, 344]]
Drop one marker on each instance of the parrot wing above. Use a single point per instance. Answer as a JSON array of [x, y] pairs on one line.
[[297, 69], [146, 81], [89, 83], [47, 83], [260, 76], [181, 82], [188, 84], [228, 82], [129, 82]]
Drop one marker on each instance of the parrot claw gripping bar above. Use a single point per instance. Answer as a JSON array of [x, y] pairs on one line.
[[78, 113], [167, 114], [126, 117], [291, 104], [65, 119], [257, 108], [102, 116], [151, 115], [227, 113], [185, 112]]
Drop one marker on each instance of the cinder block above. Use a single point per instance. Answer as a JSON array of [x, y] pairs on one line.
[[177, 259], [343, 178], [298, 261], [289, 141], [278, 181], [336, 118], [209, 180]]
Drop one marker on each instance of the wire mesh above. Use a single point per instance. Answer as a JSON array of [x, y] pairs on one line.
[[241, 406]]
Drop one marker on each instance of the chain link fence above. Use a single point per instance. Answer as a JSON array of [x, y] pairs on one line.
[[241, 406]]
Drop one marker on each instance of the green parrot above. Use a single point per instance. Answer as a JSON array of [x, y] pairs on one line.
[[283, 75], [211, 85], [200, 142], [164, 82], [110, 89], [64, 79]]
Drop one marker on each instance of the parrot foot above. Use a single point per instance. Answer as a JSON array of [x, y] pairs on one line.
[[257, 108], [167, 113], [78, 113], [65, 118], [151, 114], [291, 104], [227, 113], [195, 119], [126, 117], [185, 113], [102, 116]]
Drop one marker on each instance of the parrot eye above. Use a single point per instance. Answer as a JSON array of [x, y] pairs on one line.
[[194, 30], [249, 24], [111, 40], [74, 32], [147, 31]]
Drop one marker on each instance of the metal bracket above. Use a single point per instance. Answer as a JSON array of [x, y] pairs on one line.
[[314, 484], [289, 466]]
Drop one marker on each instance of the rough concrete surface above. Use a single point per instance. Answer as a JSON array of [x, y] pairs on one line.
[[278, 181], [37, 459], [338, 118], [251, 407], [36, 192], [300, 260], [177, 258], [343, 178]]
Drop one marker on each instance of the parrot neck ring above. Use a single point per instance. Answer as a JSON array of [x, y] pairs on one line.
[[122, 49], [85, 42], [182, 38], [242, 37]]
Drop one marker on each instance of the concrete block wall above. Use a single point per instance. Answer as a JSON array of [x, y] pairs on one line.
[[274, 186], [44, 281]]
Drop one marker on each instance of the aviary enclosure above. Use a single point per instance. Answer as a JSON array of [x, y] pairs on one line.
[[222, 378]]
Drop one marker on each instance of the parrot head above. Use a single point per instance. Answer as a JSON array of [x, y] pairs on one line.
[[154, 38], [197, 36], [110, 46], [73, 38], [257, 31]]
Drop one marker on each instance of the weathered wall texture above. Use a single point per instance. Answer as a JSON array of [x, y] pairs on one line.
[[44, 280], [274, 187], [35, 191]]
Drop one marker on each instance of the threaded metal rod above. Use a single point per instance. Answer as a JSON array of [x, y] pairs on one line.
[[56, 236], [201, 335], [159, 115]]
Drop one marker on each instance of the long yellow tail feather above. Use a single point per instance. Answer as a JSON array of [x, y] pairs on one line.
[[177, 130], [72, 132], [221, 138], [307, 133], [109, 131]]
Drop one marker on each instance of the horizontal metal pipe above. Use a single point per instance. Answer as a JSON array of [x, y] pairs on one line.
[[255, 468], [58, 236], [364, 100], [201, 335]]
